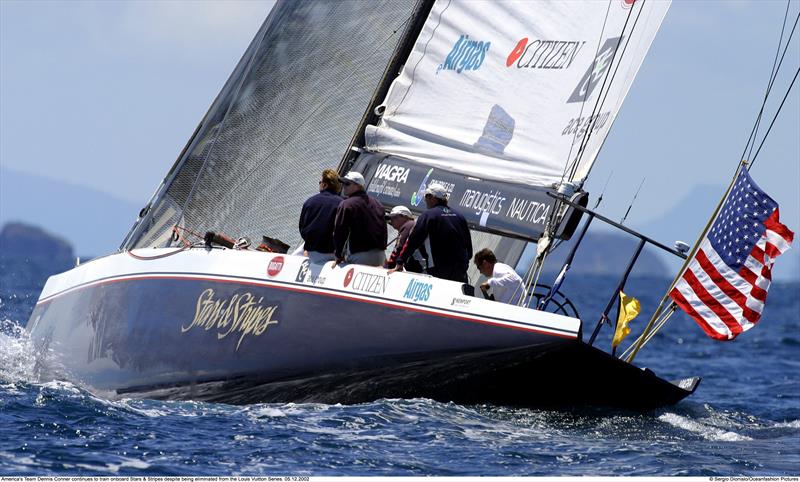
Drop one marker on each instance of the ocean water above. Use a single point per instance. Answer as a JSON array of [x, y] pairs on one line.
[[744, 418]]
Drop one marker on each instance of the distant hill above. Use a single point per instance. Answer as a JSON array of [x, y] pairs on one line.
[[92, 221], [30, 254], [603, 253], [689, 216]]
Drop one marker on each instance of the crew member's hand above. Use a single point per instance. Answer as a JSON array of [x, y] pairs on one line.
[[484, 286], [398, 267]]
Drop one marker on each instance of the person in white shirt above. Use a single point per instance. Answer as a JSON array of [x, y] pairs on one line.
[[504, 283]]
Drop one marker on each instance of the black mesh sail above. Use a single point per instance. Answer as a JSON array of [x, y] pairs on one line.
[[288, 111]]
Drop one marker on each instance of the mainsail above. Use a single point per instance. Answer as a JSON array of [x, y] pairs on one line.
[[516, 91], [288, 111]]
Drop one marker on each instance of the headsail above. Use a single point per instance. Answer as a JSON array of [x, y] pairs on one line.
[[288, 111], [509, 90]]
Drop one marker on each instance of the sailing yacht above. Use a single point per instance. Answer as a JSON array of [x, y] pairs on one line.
[[504, 103]]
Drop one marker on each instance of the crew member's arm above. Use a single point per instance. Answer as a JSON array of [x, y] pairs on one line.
[[302, 224], [341, 231], [402, 237], [415, 239]]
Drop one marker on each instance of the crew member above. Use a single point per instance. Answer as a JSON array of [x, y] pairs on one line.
[[446, 237], [401, 219], [359, 225], [317, 217], [504, 283]]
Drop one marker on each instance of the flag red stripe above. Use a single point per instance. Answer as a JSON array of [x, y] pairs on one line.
[[748, 275], [752, 278], [758, 293], [773, 224], [766, 272], [679, 300], [758, 254], [712, 303], [723, 284], [772, 251]]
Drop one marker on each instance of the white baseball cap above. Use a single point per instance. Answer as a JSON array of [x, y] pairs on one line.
[[400, 211], [436, 190], [354, 177]]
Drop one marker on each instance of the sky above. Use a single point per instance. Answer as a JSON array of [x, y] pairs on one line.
[[106, 94]]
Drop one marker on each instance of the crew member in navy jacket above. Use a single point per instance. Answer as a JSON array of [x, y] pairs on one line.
[[359, 225], [317, 218], [446, 235]]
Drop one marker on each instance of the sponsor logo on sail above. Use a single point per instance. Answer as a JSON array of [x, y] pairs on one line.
[[417, 197], [418, 291], [596, 71], [544, 54], [390, 172], [348, 277], [578, 126], [466, 54], [528, 211], [490, 202], [240, 314], [369, 283], [275, 266]]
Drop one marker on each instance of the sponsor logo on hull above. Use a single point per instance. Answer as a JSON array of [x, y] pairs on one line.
[[368, 283], [348, 277], [460, 302], [418, 291], [305, 275], [275, 266], [239, 315]]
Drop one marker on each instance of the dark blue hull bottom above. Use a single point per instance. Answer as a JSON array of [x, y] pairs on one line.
[[230, 341]]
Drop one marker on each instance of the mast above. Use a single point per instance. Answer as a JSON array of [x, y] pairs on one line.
[[393, 68]]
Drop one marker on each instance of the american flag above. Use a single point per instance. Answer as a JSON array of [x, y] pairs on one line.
[[724, 287]]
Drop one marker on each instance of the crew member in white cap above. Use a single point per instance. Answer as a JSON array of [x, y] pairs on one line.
[[401, 219], [359, 225], [446, 237]]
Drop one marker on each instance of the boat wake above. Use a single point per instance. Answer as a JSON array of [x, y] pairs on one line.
[[703, 429]]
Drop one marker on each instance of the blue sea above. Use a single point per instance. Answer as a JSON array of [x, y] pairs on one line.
[[744, 418]]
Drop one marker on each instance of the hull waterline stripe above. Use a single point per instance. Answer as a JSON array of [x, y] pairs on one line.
[[512, 324]]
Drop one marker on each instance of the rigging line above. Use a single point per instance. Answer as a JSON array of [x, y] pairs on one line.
[[323, 103], [557, 205], [622, 221], [772, 75], [583, 103], [753, 160], [599, 105], [600, 199], [751, 138]]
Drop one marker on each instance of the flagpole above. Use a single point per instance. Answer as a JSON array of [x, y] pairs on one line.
[[640, 341]]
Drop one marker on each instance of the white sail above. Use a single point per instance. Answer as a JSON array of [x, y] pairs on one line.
[[506, 90]]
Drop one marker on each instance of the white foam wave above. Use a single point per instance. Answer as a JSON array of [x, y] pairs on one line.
[[706, 431], [112, 467], [792, 424], [17, 354]]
